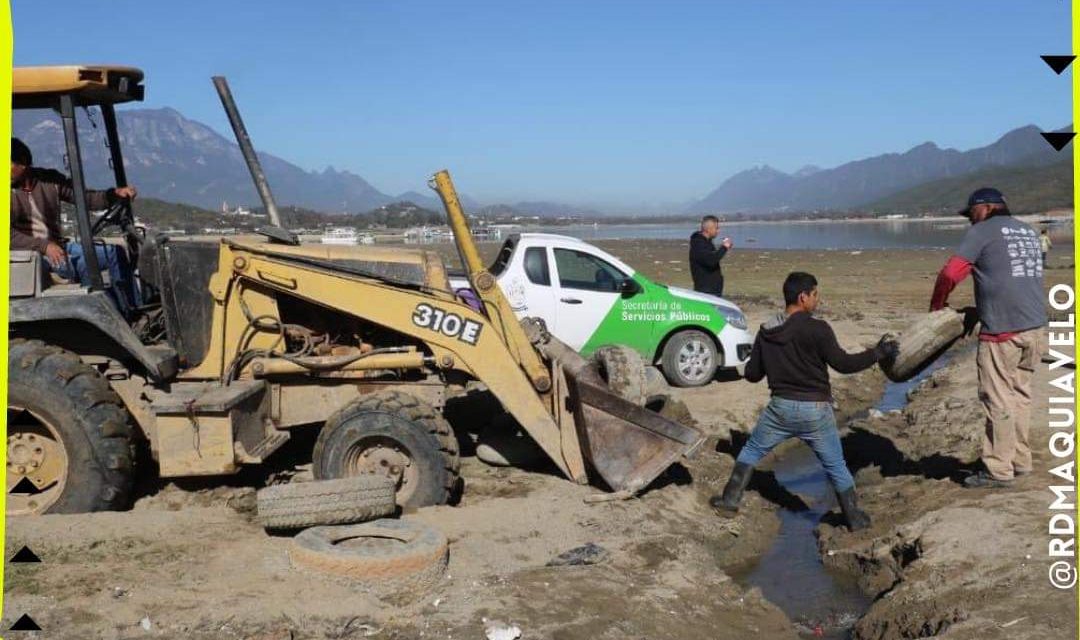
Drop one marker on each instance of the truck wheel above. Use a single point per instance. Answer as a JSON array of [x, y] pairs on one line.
[[68, 434], [393, 434], [296, 505], [623, 370], [689, 359]]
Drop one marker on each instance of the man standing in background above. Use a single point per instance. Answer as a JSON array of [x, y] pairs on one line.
[[1044, 242], [1003, 252], [705, 257]]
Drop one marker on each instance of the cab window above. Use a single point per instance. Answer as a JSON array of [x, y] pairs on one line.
[[536, 266], [579, 270]]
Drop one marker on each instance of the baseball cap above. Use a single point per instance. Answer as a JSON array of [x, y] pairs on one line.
[[985, 195]]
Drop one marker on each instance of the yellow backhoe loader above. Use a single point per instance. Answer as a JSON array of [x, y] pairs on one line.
[[244, 339]]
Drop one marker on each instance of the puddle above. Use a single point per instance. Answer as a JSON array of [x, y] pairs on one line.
[[821, 603], [895, 396]]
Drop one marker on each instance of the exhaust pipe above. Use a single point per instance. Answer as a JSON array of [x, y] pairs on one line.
[[242, 139]]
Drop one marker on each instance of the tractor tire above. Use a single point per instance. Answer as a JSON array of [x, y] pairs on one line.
[[689, 359], [297, 505], [391, 433], [69, 434], [924, 342], [397, 558], [624, 372]]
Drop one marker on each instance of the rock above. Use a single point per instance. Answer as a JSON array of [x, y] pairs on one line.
[[145, 623], [588, 553]]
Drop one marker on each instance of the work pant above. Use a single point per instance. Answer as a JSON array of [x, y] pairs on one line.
[[1005, 370], [811, 422], [121, 289]]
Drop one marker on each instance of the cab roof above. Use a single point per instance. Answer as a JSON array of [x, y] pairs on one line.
[[41, 87]]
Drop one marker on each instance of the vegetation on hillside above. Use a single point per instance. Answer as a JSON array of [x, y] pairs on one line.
[[1028, 190]]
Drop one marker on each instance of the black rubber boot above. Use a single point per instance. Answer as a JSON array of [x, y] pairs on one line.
[[733, 490], [857, 519]]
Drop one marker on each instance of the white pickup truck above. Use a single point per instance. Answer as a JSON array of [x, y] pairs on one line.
[[589, 298]]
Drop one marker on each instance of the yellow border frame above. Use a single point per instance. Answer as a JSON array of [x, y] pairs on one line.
[[6, 52], [1075, 22]]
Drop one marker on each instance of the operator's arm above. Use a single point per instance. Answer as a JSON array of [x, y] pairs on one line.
[[952, 274], [837, 358], [95, 200], [755, 368], [703, 253]]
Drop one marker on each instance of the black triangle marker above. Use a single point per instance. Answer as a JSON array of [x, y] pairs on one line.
[[1058, 140], [24, 486], [1058, 63], [24, 555], [25, 623]]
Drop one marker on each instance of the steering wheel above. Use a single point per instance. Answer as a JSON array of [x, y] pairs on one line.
[[119, 214]]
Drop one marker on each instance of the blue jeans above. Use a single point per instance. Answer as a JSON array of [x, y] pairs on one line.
[[122, 289], [811, 422]]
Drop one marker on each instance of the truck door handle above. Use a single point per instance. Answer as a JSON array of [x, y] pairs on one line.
[[571, 300]]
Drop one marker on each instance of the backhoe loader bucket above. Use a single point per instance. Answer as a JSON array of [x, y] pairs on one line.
[[626, 445]]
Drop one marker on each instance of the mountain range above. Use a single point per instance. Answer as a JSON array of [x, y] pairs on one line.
[[855, 184], [174, 158], [177, 159]]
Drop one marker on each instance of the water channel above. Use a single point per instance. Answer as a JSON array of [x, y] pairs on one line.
[[820, 602]]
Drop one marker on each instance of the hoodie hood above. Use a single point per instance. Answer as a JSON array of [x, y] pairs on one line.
[[780, 328]]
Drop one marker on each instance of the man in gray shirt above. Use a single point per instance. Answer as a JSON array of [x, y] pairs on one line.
[[1004, 254]]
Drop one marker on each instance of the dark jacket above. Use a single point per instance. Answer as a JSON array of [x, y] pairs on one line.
[[47, 188], [795, 351], [705, 265]]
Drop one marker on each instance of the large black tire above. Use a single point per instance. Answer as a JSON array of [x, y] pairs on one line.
[[385, 426], [61, 408], [924, 342], [297, 505], [689, 359], [624, 372], [400, 558]]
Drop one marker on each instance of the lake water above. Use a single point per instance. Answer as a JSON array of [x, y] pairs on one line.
[[898, 234]]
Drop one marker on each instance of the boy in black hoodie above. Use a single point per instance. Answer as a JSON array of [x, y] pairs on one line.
[[794, 350]]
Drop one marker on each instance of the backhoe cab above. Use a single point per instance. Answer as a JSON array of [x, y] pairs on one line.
[[243, 340]]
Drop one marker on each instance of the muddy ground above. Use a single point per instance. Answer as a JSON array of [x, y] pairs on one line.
[[188, 562]]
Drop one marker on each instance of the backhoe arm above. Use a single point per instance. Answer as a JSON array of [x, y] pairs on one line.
[[496, 307]]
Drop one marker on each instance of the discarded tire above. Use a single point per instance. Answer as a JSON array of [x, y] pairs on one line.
[[655, 383], [624, 371], [923, 342], [325, 502], [397, 558], [672, 409]]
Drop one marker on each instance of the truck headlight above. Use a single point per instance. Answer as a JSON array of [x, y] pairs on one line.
[[733, 316]]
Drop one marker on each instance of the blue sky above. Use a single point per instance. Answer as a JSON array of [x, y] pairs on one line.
[[618, 104]]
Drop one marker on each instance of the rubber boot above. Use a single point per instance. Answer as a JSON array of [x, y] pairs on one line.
[[733, 490], [857, 519]]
